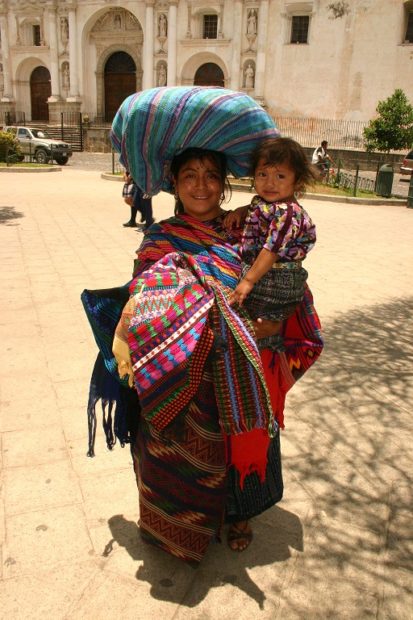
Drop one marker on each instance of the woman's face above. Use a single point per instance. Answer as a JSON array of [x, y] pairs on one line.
[[200, 188]]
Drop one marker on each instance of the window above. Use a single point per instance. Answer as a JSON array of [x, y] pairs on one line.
[[36, 35], [299, 28], [210, 26], [409, 30]]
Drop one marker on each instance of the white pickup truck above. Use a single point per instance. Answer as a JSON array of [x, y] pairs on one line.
[[39, 146]]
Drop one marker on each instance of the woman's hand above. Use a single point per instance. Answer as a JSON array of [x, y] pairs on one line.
[[264, 328], [235, 219]]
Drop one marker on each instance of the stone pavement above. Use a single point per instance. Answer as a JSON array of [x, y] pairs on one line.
[[340, 543]]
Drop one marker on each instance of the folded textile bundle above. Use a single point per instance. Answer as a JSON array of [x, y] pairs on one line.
[[154, 125]]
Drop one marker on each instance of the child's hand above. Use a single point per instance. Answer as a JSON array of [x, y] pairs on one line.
[[240, 293], [236, 218]]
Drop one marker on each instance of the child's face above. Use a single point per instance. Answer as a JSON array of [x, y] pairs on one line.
[[274, 181]]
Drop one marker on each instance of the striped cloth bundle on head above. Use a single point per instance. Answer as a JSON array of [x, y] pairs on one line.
[[154, 125]]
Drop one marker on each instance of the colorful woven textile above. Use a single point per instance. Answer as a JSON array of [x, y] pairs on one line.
[[177, 315], [154, 125]]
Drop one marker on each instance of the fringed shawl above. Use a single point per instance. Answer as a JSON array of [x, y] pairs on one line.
[[216, 265], [178, 316]]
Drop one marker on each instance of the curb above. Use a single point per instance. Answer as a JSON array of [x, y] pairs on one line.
[[16, 169], [399, 202], [111, 177], [395, 202]]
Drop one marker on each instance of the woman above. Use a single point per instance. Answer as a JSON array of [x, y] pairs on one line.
[[206, 446], [138, 201]]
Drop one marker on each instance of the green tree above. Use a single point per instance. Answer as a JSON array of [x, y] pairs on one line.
[[393, 128], [9, 148]]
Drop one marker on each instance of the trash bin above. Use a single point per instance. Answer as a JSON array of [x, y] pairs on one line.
[[385, 181], [410, 194]]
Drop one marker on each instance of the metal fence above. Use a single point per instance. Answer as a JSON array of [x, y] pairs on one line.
[[309, 132]]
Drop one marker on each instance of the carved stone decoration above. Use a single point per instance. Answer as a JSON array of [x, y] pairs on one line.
[[161, 74], [64, 31], [249, 75], [162, 30], [24, 5], [252, 22], [18, 39], [188, 29], [65, 77], [119, 20], [252, 27], [162, 26], [338, 9]]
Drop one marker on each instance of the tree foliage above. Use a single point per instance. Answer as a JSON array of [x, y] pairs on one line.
[[9, 148], [392, 130]]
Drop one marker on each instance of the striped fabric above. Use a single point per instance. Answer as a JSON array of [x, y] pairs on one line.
[[178, 314], [154, 125]]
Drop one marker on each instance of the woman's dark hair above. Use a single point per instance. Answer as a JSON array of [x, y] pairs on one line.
[[275, 151], [219, 160]]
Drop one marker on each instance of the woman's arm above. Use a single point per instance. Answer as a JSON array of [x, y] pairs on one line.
[[235, 219], [264, 328]]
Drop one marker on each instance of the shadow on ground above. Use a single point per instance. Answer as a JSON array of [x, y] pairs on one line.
[[7, 214], [350, 432], [347, 456], [172, 580]]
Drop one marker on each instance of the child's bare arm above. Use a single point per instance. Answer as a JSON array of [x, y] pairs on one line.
[[235, 219], [261, 265]]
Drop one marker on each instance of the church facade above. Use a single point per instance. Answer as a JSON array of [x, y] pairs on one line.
[[316, 58]]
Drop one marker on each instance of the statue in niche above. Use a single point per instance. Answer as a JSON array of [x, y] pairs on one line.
[[252, 23], [117, 21], [162, 26], [161, 75], [65, 76], [64, 30], [249, 76]]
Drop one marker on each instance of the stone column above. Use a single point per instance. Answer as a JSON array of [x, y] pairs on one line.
[[73, 44], [147, 80], [54, 55], [236, 44], [189, 17], [261, 47], [172, 35], [8, 92], [220, 34]]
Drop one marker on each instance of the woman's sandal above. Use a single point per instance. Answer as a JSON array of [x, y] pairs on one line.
[[241, 535]]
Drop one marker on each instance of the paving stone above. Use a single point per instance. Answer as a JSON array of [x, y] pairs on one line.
[[339, 545]]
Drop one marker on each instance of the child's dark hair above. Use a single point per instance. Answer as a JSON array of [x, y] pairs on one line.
[[285, 151], [219, 160]]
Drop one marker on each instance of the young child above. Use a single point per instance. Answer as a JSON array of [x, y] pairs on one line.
[[278, 233]]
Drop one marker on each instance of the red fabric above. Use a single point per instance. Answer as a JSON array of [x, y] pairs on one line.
[[279, 380], [249, 453]]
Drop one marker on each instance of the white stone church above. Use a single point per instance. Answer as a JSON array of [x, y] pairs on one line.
[[317, 58]]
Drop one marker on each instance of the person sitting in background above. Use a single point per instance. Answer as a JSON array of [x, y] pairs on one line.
[[321, 159]]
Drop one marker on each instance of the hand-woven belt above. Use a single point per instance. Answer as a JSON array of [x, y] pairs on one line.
[[288, 265]]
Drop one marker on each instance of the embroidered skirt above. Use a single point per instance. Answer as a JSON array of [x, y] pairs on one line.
[[185, 491], [277, 294]]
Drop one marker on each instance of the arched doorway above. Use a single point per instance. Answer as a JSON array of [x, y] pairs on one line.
[[40, 91], [209, 74], [120, 81]]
